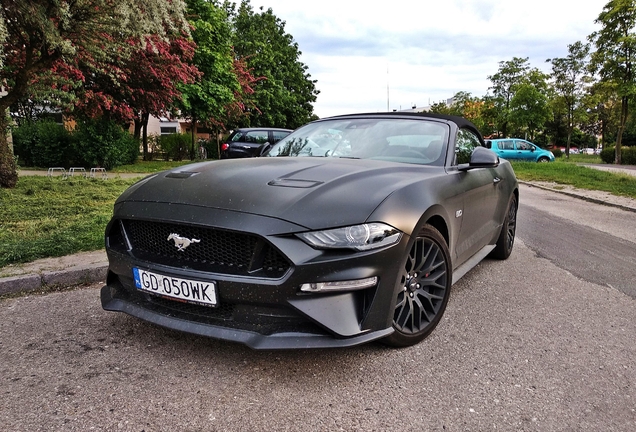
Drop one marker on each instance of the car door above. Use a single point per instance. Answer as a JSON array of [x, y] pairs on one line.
[[278, 135], [525, 150], [253, 140], [505, 149], [480, 198]]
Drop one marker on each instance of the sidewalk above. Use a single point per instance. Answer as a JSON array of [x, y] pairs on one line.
[[598, 197], [622, 169], [91, 267]]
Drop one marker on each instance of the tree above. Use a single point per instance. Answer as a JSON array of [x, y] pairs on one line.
[[42, 34], [603, 107], [555, 126], [154, 76], [569, 78], [464, 105], [529, 105], [441, 108], [284, 97], [206, 99], [614, 56], [237, 111], [504, 86]]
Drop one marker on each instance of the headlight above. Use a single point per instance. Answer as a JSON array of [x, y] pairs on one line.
[[359, 237]]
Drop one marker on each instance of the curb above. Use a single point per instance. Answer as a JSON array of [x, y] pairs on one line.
[[79, 275]]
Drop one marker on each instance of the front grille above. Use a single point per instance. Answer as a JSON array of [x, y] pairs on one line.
[[217, 251]]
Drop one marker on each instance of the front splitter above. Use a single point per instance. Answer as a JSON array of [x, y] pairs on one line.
[[278, 341]]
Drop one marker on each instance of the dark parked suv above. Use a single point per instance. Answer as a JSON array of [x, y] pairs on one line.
[[247, 142]]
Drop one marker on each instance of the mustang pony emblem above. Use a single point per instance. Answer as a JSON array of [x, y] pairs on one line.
[[182, 242]]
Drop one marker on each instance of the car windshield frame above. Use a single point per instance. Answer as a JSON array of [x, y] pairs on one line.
[[414, 141]]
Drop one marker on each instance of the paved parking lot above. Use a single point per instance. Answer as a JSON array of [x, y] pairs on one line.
[[524, 345], [537, 342]]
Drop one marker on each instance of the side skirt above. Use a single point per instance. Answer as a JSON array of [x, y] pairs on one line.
[[460, 271]]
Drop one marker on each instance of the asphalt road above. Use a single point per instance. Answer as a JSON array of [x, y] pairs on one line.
[[595, 243], [525, 344]]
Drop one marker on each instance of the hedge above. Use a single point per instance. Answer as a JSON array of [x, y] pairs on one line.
[[628, 155]]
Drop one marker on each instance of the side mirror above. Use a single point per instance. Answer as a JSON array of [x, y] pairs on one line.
[[264, 149], [481, 157]]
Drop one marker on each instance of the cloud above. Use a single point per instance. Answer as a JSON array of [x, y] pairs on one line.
[[431, 49]]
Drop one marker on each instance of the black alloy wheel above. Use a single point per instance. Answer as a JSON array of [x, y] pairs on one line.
[[423, 289], [506, 239]]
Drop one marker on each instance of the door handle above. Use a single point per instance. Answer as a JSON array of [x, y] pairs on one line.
[[496, 180]]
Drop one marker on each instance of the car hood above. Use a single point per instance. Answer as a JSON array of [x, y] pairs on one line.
[[312, 192]]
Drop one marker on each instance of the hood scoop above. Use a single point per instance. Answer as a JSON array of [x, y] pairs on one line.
[[295, 183], [181, 174]]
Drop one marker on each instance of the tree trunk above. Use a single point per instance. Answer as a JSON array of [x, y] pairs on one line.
[[602, 134], [621, 128], [144, 129], [568, 145], [193, 130], [137, 131], [8, 169]]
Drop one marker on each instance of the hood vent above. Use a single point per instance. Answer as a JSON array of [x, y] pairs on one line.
[[181, 174], [294, 183]]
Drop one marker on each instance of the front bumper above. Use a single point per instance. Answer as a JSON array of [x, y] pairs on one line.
[[116, 299], [269, 312]]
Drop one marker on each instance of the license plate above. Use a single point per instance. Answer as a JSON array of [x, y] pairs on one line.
[[191, 291]]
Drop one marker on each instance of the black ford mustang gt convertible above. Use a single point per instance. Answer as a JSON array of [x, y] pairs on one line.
[[351, 229]]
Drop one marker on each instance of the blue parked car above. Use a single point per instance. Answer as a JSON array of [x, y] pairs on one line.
[[518, 149]]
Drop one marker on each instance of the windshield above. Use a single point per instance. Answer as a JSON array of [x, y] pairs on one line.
[[399, 140]]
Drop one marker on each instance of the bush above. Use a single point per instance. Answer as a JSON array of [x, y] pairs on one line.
[[607, 155], [103, 143], [557, 152], [628, 155], [42, 144], [175, 146]]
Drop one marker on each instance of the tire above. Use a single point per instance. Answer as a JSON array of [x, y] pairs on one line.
[[543, 159], [506, 239], [423, 289]]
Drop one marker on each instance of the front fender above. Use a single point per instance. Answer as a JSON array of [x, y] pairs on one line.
[[409, 208]]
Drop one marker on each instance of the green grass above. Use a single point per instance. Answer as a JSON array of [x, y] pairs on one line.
[[150, 166], [569, 173], [49, 217], [581, 158], [143, 167]]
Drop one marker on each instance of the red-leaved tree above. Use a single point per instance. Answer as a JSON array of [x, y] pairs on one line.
[[149, 80], [238, 110]]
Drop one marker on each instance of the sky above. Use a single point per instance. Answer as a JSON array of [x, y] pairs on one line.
[[368, 56]]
